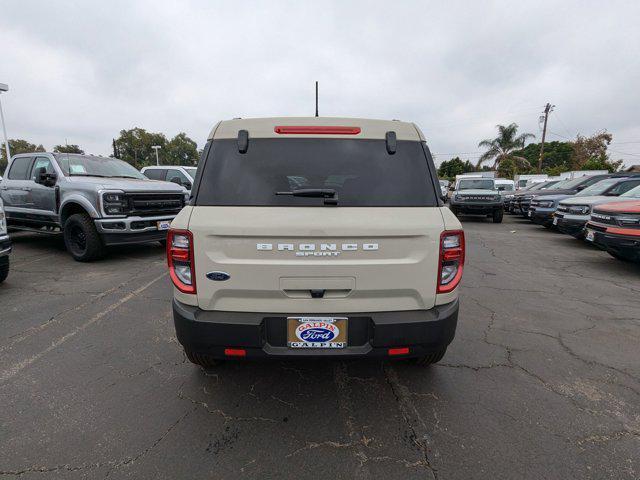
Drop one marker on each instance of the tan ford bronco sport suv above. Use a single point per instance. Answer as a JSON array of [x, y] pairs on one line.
[[315, 237]]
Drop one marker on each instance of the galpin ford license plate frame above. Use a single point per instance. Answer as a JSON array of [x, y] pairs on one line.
[[317, 332]]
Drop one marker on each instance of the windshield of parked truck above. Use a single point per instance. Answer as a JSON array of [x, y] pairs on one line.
[[599, 188], [89, 166], [633, 193], [476, 184], [504, 187], [554, 185], [571, 184]]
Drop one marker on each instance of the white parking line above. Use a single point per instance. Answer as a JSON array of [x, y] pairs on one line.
[[15, 369]]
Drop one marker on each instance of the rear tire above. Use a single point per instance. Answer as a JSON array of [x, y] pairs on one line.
[[4, 269], [497, 216], [82, 239], [427, 360], [205, 361]]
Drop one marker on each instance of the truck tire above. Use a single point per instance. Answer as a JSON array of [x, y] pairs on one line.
[[427, 360], [4, 269], [205, 361], [497, 216], [82, 239]]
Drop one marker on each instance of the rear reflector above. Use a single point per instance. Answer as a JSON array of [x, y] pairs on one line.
[[235, 352], [316, 130], [399, 351]]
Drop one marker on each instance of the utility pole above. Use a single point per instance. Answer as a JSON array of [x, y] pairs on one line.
[[156, 148], [4, 88], [548, 108], [316, 98]]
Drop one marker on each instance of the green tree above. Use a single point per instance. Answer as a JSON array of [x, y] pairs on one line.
[[590, 153], [508, 168], [504, 145], [134, 146], [180, 150], [450, 168], [68, 149], [18, 145]]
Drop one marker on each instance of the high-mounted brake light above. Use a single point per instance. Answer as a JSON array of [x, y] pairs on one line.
[[316, 130], [182, 269], [451, 260]]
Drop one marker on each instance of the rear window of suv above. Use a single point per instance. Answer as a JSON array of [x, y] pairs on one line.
[[361, 172]]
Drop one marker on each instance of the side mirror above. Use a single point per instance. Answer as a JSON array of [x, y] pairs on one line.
[[44, 178], [187, 185], [581, 187], [176, 180], [501, 188]]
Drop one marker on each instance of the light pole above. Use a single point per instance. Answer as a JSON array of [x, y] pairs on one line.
[[156, 148], [4, 88]]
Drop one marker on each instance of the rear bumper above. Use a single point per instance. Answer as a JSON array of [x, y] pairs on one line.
[[263, 335]]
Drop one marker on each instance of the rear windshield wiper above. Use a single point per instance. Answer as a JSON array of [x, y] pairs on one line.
[[329, 194]]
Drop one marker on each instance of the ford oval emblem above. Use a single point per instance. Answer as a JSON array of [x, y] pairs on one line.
[[218, 276], [317, 332]]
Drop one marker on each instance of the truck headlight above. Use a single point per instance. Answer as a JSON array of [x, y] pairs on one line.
[[114, 203]]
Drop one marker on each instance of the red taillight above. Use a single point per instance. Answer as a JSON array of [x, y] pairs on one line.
[[451, 261], [235, 352], [316, 130], [399, 351], [182, 269]]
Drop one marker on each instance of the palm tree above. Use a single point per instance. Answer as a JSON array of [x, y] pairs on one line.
[[502, 147]]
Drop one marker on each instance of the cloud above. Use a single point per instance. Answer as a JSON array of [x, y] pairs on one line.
[[82, 71]]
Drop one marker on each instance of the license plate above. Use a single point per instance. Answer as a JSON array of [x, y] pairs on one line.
[[590, 235], [164, 224], [555, 220], [316, 332]]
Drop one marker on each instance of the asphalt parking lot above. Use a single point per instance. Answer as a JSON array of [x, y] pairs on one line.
[[542, 380]]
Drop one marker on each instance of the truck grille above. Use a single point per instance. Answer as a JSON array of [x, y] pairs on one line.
[[146, 204], [476, 197]]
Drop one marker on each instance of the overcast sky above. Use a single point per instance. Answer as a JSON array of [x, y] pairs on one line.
[[82, 71]]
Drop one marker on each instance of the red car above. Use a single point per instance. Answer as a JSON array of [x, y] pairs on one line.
[[615, 227]]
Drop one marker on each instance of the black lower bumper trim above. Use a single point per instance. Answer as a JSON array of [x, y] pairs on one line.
[[264, 334], [571, 227], [623, 245], [133, 238]]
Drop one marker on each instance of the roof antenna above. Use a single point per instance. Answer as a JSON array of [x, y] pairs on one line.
[[316, 98]]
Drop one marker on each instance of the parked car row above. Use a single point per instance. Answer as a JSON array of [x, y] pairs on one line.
[[600, 208]]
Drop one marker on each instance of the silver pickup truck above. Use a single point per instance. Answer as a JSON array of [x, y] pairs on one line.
[[94, 201]]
